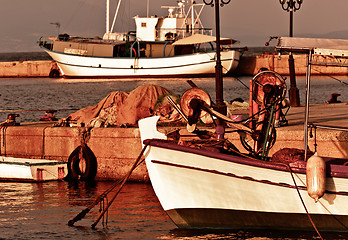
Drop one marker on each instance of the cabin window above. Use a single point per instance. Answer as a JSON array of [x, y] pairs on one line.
[[143, 24]]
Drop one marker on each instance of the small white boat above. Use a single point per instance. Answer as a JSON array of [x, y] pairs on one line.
[[174, 46], [204, 187], [31, 170]]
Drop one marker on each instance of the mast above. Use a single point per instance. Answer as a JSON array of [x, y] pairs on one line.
[[192, 15], [107, 17], [116, 13]]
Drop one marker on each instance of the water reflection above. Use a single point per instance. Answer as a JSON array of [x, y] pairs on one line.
[[41, 211], [32, 211]]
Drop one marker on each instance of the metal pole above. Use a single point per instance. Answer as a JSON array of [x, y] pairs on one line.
[[308, 74], [291, 21], [220, 105], [218, 72], [293, 91]]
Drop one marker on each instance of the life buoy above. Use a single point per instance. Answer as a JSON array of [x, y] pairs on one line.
[[54, 73], [82, 164]]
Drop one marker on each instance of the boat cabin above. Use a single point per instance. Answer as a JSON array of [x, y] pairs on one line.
[[160, 28], [154, 37]]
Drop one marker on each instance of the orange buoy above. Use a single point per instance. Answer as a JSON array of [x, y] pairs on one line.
[[316, 177]]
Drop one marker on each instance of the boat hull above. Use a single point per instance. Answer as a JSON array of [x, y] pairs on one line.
[[237, 219], [203, 189], [198, 64], [199, 191], [31, 170]]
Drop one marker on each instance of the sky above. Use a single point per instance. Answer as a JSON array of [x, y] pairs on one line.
[[23, 22]]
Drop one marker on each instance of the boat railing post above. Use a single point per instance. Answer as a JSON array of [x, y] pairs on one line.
[[308, 74], [164, 48], [132, 47]]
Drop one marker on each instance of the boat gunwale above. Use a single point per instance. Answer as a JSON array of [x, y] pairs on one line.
[[247, 178], [333, 170], [51, 163]]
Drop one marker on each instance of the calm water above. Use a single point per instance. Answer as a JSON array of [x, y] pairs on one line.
[[41, 211], [47, 93]]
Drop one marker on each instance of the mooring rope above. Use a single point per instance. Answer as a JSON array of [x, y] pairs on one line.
[[36, 110], [135, 165], [104, 195], [304, 205], [328, 75], [53, 174], [322, 204]]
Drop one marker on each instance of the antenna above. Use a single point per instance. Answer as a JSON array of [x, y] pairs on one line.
[[147, 8]]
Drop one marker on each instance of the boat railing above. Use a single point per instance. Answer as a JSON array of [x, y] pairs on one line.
[[179, 33], [314, 127], [136, 51], [343, 129], [47, 42]]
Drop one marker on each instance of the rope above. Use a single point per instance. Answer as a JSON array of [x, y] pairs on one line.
[[342, 82], [74, 14], [34, 110], [85, 135], [104, 195], [50, 172], [304, 205], [326, 207], [242, 83], [124, 180]]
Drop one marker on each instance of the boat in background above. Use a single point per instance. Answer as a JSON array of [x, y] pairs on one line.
[[31, 170], [174, 46], [207, 183]]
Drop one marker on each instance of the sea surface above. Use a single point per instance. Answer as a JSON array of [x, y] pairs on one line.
[[32, 211], [42, 210], [30, 97]]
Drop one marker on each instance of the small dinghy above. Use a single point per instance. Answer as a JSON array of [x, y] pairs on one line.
[[31, 170]]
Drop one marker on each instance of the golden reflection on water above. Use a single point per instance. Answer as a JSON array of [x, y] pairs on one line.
[[41, 211]]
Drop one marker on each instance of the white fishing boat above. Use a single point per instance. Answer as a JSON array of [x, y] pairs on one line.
[[173, 46], [31, 170], [203, 188]]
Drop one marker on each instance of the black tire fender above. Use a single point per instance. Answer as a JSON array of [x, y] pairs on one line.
[[82, 164], [54, 73]]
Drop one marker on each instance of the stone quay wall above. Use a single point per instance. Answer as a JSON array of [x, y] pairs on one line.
[[116, 149]]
